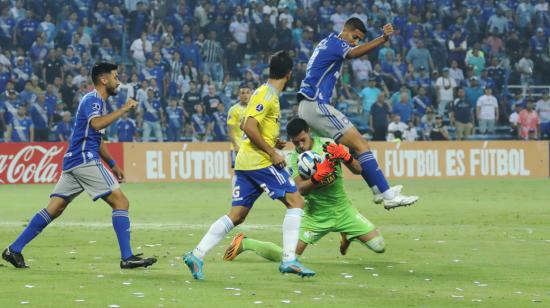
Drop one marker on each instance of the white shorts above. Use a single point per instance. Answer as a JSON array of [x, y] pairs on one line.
[[324, 119]]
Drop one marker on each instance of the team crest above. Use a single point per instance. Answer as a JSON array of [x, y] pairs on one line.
[[260, 108], [95, 106]]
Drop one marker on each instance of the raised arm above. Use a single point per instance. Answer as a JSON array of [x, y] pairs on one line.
[[363, 49], [99, 123]]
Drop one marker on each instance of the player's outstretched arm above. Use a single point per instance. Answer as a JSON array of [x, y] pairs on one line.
[[339, 152], [363, 49], [252, 130], [99, 123]]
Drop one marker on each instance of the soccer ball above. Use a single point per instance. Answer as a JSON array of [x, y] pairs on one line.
[[306, 163]]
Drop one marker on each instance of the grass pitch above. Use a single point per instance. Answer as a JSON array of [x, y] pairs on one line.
[[466, 243]]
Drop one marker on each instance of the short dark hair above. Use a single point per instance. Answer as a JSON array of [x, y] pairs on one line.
[[244, 85], [280, 64], [355, 23], [101, 68], [296, 126]]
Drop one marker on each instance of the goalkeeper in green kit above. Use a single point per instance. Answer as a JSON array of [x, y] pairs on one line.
[[327, 206]]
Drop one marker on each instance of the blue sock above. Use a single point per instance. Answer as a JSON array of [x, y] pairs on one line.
[[121, 224], [372, 173], [35, 226]]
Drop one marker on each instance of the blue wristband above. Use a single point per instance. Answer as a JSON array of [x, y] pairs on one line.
[[111, 163]]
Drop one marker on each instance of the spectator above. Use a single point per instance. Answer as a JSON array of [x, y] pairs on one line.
[[456, 73], [439, 131], [543, 110], [239, 29], [529, 123], [126, 129], [138, 20], [369, 96], [26, 31], [200, 126], [379, 118], [212, 54], [175, 119], [457, 47], [139, 49], [64, 128], [40, 118], [11, 105], [410, 133], [152, 115], [420, 56], [21, 73], [487, 112], [404, 108], [421, 103], [211, 100], [219, 123], [525, 67], [473, 91], [427, 122], [514, 120], [20, 127], [68, 92], [461, 116], [444, 90], [7, 28], [190, 51], [396, 128], [52, 68], [476, 59]]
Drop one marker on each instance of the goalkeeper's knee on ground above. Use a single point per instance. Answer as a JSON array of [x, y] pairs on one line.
[[376, 244]]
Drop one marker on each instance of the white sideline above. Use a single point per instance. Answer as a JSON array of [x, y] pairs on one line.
[[140, 226]]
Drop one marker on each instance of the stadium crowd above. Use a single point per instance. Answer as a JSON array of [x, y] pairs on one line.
[[443, 75]]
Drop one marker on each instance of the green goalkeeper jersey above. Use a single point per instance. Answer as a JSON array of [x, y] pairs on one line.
[[325, 200]]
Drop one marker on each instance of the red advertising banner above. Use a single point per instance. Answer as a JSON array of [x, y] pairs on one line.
[[39, 163]]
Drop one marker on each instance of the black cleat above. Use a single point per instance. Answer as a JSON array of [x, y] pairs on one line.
[[137, 261], [15, 258]]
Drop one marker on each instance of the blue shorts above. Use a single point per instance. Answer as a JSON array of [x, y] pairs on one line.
[[233, 157], [250, 184]]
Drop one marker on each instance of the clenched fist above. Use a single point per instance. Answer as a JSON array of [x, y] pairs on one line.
[[388, 30], [130, 104]]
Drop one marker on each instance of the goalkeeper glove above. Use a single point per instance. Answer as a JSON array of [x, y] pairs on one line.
[[337, 151], [324, 170]]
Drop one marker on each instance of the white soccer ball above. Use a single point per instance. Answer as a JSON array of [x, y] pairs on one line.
[[306, 163]]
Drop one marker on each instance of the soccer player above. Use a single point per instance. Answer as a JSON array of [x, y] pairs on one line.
[[259, 168], [235, 117], [323, 70], [328, 208], [84, 171]]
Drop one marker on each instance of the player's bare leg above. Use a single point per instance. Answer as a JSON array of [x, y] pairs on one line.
[[373, 240], [121, 223], [13, 254], [390, 196]]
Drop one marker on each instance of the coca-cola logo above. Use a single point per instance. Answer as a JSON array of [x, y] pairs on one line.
[[32, 164]]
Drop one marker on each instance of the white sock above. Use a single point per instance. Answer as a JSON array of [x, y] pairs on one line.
[[218, 230], [389, 194], [291, 233]]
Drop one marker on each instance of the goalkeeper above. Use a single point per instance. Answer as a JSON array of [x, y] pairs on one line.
[[327, 206]]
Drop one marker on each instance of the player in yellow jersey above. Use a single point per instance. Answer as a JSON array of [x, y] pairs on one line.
[[259, 168], [235, 117]]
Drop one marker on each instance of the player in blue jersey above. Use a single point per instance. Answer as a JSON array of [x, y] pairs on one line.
[[84, 171], [322, 73]]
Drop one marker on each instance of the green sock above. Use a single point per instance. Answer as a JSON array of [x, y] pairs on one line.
[[266, 250]]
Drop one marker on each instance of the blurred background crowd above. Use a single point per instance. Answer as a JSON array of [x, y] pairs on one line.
[[471, 69]]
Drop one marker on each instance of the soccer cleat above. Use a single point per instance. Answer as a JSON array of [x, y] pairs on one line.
[[295, 267], [399, 200], [137, 261], [344, 244], [194, 264], [234, 248], [379, 198], [15, 258]]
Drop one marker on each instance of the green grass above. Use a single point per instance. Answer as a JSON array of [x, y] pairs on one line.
[[466, 240]]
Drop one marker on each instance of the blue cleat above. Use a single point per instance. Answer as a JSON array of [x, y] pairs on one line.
[[295, 267], [194, 264]]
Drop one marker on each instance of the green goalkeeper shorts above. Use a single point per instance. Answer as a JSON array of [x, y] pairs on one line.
[[350, 222]]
